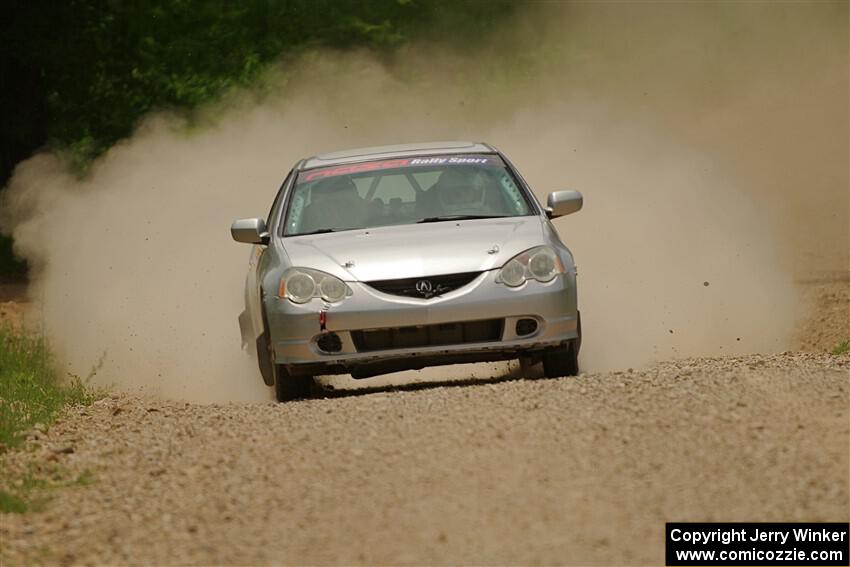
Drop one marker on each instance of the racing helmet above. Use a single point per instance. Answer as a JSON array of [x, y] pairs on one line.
[[461, 190], [334, 188]]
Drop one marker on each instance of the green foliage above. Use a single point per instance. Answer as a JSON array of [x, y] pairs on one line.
[[78, 75], [27, 493], [30, 392], [841, 348], [11, 503], [104, 64], [30, 491]]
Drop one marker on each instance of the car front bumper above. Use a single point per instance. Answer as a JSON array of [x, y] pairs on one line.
[[295, 329]]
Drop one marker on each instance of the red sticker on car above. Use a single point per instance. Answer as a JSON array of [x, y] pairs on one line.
[[354, 168]]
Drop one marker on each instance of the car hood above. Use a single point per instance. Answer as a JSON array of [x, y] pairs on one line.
[[416, 250]]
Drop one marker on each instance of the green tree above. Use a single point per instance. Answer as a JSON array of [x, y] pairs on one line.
[[77, 75]]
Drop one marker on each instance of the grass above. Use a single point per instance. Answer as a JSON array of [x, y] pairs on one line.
[[29, 492], [25, 495], [30, 393], [12, 503], [841, 348]]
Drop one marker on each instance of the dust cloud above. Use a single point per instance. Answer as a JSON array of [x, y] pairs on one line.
[[710, 142]]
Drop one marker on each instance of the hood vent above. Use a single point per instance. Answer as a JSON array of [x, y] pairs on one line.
[[425, 287]]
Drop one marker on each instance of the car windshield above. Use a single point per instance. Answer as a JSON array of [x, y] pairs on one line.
[[403, 191]]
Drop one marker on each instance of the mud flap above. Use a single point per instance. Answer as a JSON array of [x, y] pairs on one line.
[[245, 328]]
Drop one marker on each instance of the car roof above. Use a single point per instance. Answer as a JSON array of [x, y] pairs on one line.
[[398, 150]]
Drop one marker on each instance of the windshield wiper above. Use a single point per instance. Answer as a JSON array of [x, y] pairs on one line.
[[459, 217], [322, 231]]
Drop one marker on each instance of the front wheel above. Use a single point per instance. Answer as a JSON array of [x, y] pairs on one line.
[[288, 387], [562, 361]]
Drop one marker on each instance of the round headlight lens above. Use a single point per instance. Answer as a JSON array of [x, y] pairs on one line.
[[332, 289], [513, 273], [300, 287], [542, 265]]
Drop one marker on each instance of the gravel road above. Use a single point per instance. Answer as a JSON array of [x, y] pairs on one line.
[[569, 471]]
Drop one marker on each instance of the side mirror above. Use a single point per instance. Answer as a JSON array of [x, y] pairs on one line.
[[250, 231], [562, 203]]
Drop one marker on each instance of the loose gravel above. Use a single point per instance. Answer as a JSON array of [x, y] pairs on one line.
[[827, 301], [569, 471]]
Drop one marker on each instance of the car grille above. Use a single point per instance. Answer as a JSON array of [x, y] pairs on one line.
[[425, 287], [443, 334]]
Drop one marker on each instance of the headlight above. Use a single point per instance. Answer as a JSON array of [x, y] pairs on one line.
[[332, 289], [512, 273], [541, 264], [300, 285]]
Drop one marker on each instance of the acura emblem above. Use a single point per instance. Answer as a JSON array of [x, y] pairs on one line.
[[424, 288]]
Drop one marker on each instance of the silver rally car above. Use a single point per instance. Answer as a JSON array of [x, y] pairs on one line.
[[394, 258]]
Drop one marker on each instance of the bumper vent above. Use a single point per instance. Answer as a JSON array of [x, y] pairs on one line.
[[425, 287], [329, 342], [443, 334], [525, 327]]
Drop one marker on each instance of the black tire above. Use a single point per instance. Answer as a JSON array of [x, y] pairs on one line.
[[562, 361], [264, 360], [288, 387]]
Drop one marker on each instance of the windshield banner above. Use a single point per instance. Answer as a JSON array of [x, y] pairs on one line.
[[421, 161]]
